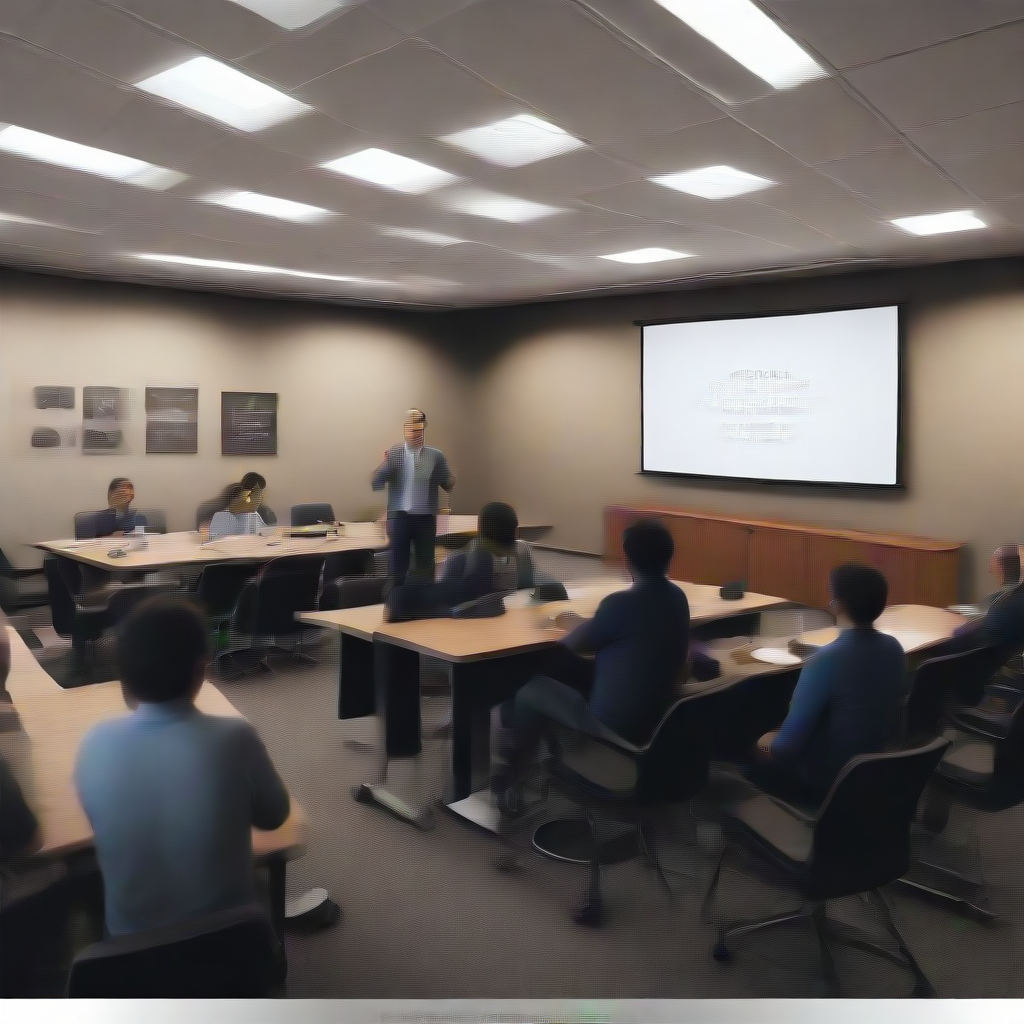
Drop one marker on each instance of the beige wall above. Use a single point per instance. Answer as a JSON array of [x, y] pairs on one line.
[[557, 405], [344, 380]]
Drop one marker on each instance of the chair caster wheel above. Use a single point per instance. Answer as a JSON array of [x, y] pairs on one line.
[[722, 953], [361, 794], [591, 915]]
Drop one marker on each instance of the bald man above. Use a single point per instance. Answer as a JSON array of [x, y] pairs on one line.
[[412, 473], [1002, 625]]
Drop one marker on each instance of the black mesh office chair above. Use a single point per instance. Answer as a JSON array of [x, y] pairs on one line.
[[352, 592], [219, 586], [345, 564], [858, 841], [312, 514], [21, 589], [265, 612], [625, 782], [233, 954], [156, 520], [88, 524], [82, 624]]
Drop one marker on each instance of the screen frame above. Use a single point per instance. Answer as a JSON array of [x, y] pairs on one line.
[[901, 339]]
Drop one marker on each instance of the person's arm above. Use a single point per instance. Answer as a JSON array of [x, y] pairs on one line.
[[445, 477], [384, 473], [271, 803], [810, 699], [19, 829], [592, 634], [453, 567]]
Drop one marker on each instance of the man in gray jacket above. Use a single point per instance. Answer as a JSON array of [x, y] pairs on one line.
[[412, 473]]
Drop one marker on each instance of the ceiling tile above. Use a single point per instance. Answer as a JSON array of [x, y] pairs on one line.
[[974, 133], [550, 55], [241, 163], [1011, 210], [816, 122], [53, 210], [897, 183], [220, 27], [315, 137], [415, 91], [17, 15], [410, 16], [46, 95], [997, 174], [852, 32], [343, 195], [304, 56], [948, 80]]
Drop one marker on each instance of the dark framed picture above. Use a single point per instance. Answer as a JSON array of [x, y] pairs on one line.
[[53, 397], [103, 410], [248, 423], [172, 421]]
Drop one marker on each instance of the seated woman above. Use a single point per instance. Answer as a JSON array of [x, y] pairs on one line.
[[240, 516]]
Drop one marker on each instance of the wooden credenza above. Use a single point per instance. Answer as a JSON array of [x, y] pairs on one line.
[[792, 560]]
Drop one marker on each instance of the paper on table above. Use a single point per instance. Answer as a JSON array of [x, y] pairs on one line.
[[775, 656], [909, 638]]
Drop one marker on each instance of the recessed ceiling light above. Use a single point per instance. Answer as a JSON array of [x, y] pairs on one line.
[[379, 167], [270, 206], [248, 268], [515, 142], [415, 235], [223, 93], [750, 37], [499, 207], [719, 182], [651, 255], [51, 150], [291, 14], [940, 223]]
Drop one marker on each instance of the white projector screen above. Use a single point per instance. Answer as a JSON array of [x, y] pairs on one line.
[[810, 398]]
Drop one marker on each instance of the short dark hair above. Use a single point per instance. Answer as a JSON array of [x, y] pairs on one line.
[[253, 480], [862, 590], [648, 547], [158, 645], [498, 522], [416, 416], [232, 491], [118, 481], [1008, 557]]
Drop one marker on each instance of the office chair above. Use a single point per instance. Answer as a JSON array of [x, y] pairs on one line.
[[82, 624], [267, 606], [219, 587], [346, 564], [626, 785], [745, 709], [983, 771], [857, 842], [352, 592], [1001, 695], [233, 954], [21, 589], [89, 525], [156, 520], [312, 514]]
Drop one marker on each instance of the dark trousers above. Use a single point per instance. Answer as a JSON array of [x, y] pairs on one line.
[[412, 535]]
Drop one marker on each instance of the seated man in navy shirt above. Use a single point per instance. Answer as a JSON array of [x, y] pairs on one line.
[[122, 518], [845, 701], [1002, 625], [639, 638]]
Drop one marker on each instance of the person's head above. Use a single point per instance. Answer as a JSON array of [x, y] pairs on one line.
[[415, 427], [648, 548], [498, 523], [162, 651], [255, 485], [238, 499], [859, 593], [120, 493], [1005, 565]]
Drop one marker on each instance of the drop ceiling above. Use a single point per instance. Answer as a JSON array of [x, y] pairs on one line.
[[920, 111]]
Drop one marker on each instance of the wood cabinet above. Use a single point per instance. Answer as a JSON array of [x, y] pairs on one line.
[[792, 560]]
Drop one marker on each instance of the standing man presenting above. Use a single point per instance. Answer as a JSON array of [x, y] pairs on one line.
[[412, 473]]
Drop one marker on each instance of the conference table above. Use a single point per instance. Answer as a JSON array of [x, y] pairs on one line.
[[55, 721], [487, 661]]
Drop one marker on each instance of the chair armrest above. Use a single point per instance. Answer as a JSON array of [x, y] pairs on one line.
[[20, 574], [613, 741], [798, 813], [971, 729]]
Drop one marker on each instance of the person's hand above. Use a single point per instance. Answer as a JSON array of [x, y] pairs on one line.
[[764, 744]]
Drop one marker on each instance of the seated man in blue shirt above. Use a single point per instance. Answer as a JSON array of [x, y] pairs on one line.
[[1002, 625], [639, 638], [846, 699], [240, 516], [122, 518], [172, 793]]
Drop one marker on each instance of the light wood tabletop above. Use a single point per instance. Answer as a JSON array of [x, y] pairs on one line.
[[55, 720], [525, 626], [916, 626]]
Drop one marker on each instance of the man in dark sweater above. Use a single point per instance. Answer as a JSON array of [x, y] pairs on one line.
[[845, 701], [639, 639]]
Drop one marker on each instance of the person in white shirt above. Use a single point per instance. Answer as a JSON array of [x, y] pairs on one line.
[[240, 517]]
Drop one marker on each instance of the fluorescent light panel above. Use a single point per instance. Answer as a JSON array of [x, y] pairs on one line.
[[427, 237], [270, 206], [940, 223], [515, 142], [499, 207], [743, 31], [651, 255], [720, 182], [291, 14], [223, 93], [51, 150], [247, 268], [389, 170]]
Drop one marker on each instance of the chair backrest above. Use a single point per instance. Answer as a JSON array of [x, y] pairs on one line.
[[125, 598], [5, 562], [740, 712], [347, 563], [1008, 770], [353, 592], [862, 831], [93, 524], [220, 585], [287, 585], [156, 520], [675, 765], [312, 513], [62, 601], [232, 954]]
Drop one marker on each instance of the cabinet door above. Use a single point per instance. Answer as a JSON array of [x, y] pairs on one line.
[[616, 519], [824, 553], [718, 552], [778, 564]]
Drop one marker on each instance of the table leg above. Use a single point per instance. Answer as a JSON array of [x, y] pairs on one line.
[[276, 875], [356, 697]]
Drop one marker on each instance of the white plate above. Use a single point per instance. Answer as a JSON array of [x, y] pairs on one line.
[[775, 656]]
